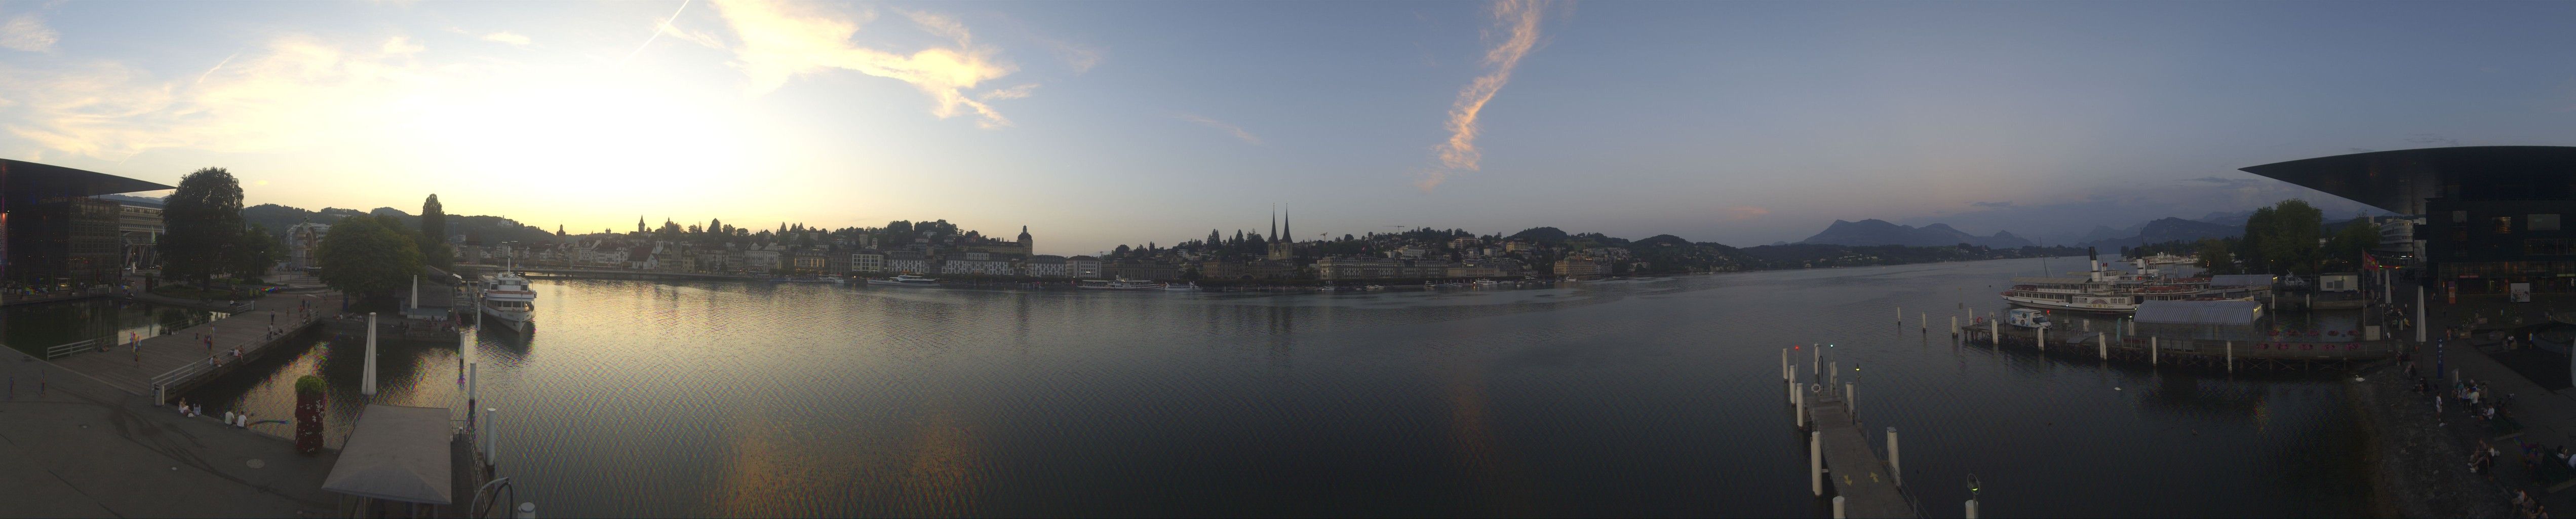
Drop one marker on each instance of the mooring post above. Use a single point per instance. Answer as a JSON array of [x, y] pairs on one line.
[[1799, 400], [492, 436], [2155, 352], [1895, 467], [1833, 373], [1784, 364], [1838, 507], [1851, 402], [1815, 359], [1900, 315], [2088, 325], [1972, 509], [1923, 320], [1995, 331], [2043, 337], [2103, 342], [2231, 356], [1793, 385], [1954, 324], [1816, 463]]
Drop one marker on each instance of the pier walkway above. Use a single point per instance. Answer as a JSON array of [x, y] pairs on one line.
[[180, 359], [1857, 474]]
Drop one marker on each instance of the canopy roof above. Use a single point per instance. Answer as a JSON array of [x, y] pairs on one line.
[[397, 453], [29, 180], [2399, 180], [2238, 312]]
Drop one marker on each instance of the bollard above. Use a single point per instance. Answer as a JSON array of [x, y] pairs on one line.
[[1895, 468], [1816, 463], [1838, 507], [367, 383], [1972, 509], [526, 511]]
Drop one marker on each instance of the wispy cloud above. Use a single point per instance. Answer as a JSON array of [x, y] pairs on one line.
[[28, 33], [1994, 205], [782, 41], [507, 37], [1745, 212], [1516, 21], [1080, 58], [1237, 131], [295, 91]]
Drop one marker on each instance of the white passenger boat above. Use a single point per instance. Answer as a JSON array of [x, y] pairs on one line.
[[1184, 287], [904, 280], [507, 298], [2026, 318]]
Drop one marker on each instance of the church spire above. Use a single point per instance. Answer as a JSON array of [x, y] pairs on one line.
[[1274, 222], [1286, 234]]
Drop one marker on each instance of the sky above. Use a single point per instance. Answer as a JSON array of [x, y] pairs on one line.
[[1101, 123]]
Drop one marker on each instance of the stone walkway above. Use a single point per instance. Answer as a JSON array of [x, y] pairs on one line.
[[80, 448]]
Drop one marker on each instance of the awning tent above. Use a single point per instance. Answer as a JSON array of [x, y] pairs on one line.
[[2224, 313], [396, 453]]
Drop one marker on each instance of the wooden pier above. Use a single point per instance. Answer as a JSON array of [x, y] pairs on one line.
[[2276, 353], [182, 359], [1864, 483]]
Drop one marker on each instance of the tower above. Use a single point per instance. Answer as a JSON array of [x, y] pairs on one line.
[[1027, 248], [639, 224]]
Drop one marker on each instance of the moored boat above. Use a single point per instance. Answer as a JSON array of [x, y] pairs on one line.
[[904, 280]]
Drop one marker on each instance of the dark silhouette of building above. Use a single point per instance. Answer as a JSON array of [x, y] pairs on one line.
[[53, 236], [2490, 215]]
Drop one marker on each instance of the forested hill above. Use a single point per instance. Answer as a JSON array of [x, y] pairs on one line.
[[482, 229]]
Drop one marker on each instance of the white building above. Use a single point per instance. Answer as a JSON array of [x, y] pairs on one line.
[[1082, 267], [1047, 266], [908, 262], [990, 267], [762, 259], [868, 261]]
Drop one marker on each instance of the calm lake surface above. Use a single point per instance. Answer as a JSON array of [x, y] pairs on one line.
[[1618, 398]]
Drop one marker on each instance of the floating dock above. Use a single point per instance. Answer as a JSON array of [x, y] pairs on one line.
[[2285, 352]]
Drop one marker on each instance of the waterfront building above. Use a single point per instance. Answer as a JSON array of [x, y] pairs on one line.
[[53, 235], [1345, 268], [1580, 267], [2492, 216], [1475, 270], [977, 263], [2397, 239], [1046, 266], [835, 261], [808, 261], [1082, 267], [1143, 270], [762, 259], [1220, 268], [1271, 269], [907, 262], [868, 261]]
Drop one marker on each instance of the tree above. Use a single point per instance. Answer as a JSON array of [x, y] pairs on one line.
[[433, 234], [2283, 238], [2214, 257], [363, 256], [2344, 249], [257, 251], [204, 224]]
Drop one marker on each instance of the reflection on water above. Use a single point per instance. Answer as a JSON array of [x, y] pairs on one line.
[[32, 328], [1607, 398]]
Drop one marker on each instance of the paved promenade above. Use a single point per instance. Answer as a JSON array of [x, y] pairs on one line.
[[129, 367], [80, 448]]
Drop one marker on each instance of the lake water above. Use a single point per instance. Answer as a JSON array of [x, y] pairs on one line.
[[1618, 398]]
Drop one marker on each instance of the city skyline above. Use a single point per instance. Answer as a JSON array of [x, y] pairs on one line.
[[1128, 123]]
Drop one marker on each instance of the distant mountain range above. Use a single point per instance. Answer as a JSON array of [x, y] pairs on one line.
[[1881, 232]]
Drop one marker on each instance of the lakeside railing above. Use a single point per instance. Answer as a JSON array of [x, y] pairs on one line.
[[159, 384], [102, 343]]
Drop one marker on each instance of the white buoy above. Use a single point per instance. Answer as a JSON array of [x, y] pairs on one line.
[[1894, 467], [1816, 463], [1838, 507], [367, 383], [526, 511]]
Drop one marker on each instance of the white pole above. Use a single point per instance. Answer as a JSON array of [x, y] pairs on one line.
[[1895, 467], [1851, 402], [415, 291], [1972, 509], [1900, 315], [367, 384], [2133, 326], [1793, 384], [2231, 356], [1784, 364], [1833, 373], [473, 381], [1798, 399], [2155, 352], [1923, 320], [1995, 331], [2103, 342], [1838, 507], [1816, 463], [2043, 338], [2088, 325], [1954, 324]]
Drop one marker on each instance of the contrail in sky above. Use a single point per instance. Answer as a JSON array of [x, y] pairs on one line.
[[657, 33], [1518, 21]]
